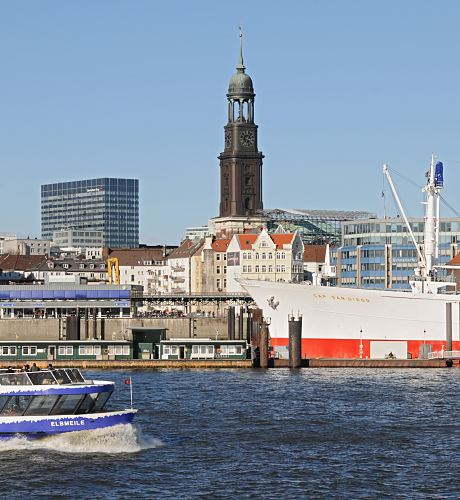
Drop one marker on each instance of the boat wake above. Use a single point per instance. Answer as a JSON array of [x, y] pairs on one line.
[[123, 438]]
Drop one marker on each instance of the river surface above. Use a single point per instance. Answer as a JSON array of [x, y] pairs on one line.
[[217, 434]]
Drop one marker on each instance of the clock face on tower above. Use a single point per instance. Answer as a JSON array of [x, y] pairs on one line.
[[228, 139], [247, 138]]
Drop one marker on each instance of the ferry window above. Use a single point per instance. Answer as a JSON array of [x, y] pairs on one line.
[[210, 349], [41, 405], [87, 403], [41, 378], [126, 350], [166, 350], [5, 351], [224, 350], [174, 350], [16, 405], [101, 400], [202, 349], [67, 404], [3, 400], [61, 377], [118, 350], [75, 375], [231, 349], [97, 350], [195, 349], [239, 349]]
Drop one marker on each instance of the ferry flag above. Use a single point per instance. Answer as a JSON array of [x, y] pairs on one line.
[[128, 381]]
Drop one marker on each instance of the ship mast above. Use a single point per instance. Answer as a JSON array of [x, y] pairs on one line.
[[429, 235]]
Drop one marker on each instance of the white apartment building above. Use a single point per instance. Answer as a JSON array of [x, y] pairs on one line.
[[264, 256]]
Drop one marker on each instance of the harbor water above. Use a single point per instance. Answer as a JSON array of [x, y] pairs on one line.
[[311, 433]]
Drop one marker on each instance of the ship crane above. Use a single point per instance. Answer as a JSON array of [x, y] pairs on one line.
[[432, 190]]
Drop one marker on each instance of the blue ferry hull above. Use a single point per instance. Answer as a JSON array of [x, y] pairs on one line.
[[39, 426]]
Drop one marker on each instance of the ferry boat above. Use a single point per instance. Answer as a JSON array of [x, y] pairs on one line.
[[43, 402], [342, 322]]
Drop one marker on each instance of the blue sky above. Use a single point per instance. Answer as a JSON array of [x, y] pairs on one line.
[[137, 89]]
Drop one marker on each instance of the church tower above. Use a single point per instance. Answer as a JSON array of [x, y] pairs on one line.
[[240, 162]]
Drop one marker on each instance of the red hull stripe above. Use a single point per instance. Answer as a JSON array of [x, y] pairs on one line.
[[350, 348]]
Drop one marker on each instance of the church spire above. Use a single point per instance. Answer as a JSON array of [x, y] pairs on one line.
[[240, 66]]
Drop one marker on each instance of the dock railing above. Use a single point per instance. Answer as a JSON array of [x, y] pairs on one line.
[[443, 354]]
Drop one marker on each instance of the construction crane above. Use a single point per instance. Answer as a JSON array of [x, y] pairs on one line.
[[114, 271]]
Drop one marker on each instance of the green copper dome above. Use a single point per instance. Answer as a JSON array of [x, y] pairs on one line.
[[240, 83]]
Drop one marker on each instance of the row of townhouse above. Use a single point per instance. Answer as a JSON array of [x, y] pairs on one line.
[[207, 265]]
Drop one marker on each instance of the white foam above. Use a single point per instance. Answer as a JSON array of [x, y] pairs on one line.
[[123, 438]]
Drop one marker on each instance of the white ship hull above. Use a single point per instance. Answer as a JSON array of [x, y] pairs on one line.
[[353, 323]]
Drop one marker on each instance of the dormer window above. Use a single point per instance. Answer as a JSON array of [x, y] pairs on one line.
[[50, 265], [65, 266], [82, 266]]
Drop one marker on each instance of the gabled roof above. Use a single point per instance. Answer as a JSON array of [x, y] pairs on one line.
[[221, 245], [137, 256], [247, 240], [9, 262], [186, 249], [314, 253], [281, 239]]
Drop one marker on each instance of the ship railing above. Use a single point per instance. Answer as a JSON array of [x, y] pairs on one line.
[[58, 376], [443, 354]]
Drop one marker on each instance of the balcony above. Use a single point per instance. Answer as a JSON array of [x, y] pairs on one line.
[[178, 269]]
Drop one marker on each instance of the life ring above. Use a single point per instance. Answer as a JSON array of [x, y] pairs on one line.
[[218, 351]]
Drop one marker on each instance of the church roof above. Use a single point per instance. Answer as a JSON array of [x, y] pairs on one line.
[[240, 83]]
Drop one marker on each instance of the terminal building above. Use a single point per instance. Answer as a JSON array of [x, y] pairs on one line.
[[107, 206], [379, 253]]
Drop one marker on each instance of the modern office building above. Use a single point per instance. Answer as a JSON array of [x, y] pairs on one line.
[[108, 205], [379, 253], [72, 238]]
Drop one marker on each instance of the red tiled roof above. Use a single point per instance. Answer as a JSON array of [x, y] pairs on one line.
[[10, 262], [314, 253], [247, 240], [455, 261], [220, 245], [281, 239]]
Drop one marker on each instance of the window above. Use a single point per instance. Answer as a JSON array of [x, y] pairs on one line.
[[218, 270], [264, 269], [29, 350], [126, 350], [67, 404], [257, 269], [85, 350], [245, 269], [8, 350], [65, 350], [41, 405], [166, 350], [264, 255], [217, 256], [270, 269], [270, 255], [257, 255]]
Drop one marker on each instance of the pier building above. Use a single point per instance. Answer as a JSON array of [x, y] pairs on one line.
[[379, 253], [107, 205]]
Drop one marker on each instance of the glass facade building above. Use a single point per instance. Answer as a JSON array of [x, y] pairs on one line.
[[379, 253], [108, 205], [315, 227]]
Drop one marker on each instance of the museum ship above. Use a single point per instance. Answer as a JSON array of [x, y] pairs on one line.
[[38, 403], [339, 322]]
